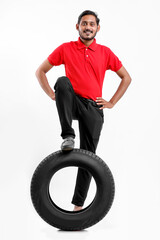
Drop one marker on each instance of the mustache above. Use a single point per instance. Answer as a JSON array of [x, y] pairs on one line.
[[87, 30]]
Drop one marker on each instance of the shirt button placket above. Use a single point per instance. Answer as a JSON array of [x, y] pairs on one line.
[[86, 53]]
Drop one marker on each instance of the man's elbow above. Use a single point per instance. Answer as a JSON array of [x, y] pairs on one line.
[[38, 72], [129, 80]]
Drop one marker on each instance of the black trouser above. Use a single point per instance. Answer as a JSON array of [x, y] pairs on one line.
[[73, 107]]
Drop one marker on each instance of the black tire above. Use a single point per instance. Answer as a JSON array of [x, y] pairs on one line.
[[68, 220]]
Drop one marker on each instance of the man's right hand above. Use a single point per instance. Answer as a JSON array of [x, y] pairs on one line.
[[53, 97]]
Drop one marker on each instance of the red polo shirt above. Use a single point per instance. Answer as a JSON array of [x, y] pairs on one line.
[[85, 66]]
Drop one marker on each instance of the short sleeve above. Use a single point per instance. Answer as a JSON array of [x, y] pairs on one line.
[[56, 58], [114, 63]]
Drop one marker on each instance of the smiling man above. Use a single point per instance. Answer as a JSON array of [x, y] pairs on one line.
[[78, 95]]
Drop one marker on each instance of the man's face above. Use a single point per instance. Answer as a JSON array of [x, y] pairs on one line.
[[88, 27]]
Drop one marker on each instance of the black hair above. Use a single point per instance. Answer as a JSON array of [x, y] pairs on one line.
[[88, 12]]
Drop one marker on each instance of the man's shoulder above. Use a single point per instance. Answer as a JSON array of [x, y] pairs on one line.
[[71, 43], [68, 45], [101, 46]]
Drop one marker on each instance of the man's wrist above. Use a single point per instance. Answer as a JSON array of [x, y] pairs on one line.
[[112, 103], [52, 95]]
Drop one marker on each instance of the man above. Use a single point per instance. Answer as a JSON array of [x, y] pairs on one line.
[[78, 95]]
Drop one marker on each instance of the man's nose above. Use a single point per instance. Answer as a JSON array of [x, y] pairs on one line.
[[88, 28]]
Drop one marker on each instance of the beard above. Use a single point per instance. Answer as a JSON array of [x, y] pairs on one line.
[[81, 34]]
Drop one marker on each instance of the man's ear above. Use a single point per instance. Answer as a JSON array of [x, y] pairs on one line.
[[98, 28], [77, 26]]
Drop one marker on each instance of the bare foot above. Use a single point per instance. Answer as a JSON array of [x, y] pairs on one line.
[[77, 208]]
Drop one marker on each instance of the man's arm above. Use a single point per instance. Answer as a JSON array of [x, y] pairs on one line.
[[41, 76], [125, 82]]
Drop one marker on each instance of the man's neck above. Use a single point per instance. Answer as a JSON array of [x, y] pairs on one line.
[[86, 42]]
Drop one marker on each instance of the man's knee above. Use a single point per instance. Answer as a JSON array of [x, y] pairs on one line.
[[62, 83]]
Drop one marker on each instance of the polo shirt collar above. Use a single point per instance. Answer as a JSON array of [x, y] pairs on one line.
[[81, 45]]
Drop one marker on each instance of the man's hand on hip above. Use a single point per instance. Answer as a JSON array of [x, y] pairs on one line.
[[101, 101], [53, 96]]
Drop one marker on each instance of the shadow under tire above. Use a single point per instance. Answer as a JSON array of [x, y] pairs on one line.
[[68, 220]]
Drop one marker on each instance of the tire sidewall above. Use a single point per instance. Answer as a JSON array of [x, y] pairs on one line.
[[61, 218]]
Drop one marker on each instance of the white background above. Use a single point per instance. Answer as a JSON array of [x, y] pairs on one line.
[[29, 130]]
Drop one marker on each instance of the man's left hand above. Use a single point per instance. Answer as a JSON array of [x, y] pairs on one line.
[[101, 101]]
